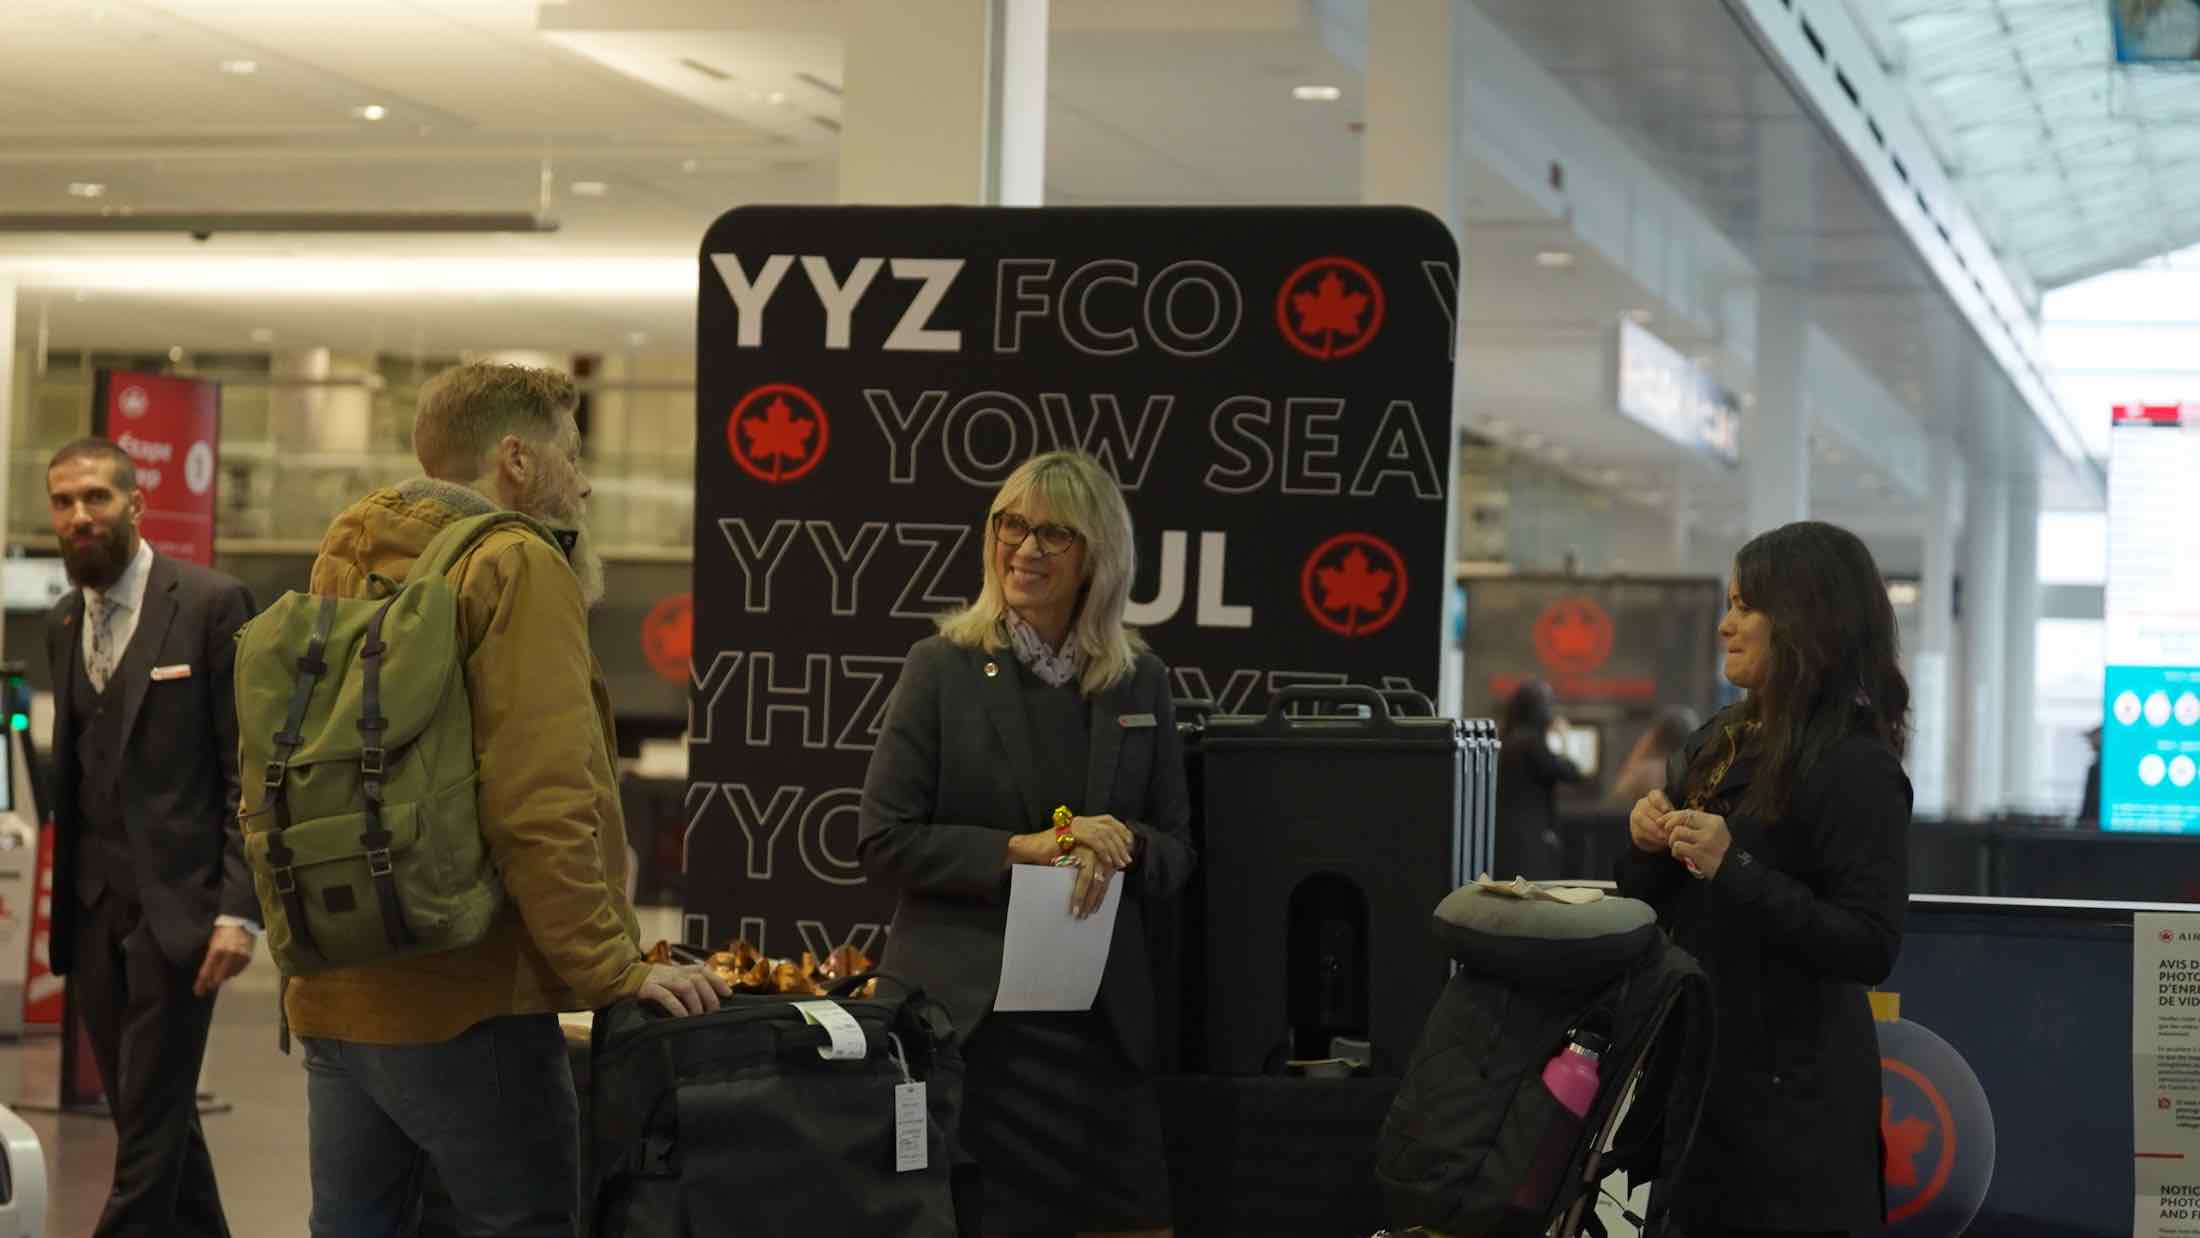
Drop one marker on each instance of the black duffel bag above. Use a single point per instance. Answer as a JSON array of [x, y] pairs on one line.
[[732, 1123]]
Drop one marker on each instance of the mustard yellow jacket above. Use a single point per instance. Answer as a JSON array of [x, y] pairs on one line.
[[549, 798]]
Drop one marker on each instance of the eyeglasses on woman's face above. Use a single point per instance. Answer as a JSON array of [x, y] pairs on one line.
[[1012, 530]]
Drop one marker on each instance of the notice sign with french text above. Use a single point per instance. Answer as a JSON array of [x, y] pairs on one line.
[[2165, 1074], [171, 429], [1270, 387]]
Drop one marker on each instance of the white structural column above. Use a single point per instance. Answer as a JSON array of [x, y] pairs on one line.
[[1776, 434], [1985, 598], [1415, 110], [1776, 455], [1932, 645], [2020, 641], [945, 102], [1411, 154], [7, 414], [1682, 530]]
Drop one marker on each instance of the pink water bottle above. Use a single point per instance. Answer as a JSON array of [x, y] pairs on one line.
[[1571, 1074]]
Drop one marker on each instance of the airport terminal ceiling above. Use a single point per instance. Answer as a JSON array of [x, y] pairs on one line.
[[642, 148], [2074, 164], [1693, 90]]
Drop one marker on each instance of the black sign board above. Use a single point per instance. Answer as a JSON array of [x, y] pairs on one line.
[[1271, 388]]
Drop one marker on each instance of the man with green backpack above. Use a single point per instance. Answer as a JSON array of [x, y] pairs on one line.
[[431, 815]]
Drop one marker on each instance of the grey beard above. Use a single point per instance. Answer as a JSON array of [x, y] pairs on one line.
[[588, 566], [585, 560]]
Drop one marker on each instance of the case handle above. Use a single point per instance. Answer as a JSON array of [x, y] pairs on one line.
[[1415, 702], [1279, 722], [1194, 709]]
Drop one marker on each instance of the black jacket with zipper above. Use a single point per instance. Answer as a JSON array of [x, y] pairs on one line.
[[1803, 914]]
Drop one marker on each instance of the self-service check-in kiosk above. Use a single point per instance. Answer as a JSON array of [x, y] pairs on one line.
[[18, 847]]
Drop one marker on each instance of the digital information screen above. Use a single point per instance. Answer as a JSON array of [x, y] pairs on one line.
[[2150, 742]]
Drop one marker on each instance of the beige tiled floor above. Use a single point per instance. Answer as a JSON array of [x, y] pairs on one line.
[[259, 1145]]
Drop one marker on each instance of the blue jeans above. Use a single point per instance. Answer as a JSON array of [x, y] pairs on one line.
[[492, 1111]]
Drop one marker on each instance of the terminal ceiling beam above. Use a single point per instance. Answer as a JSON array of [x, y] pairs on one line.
[[1833, 70]]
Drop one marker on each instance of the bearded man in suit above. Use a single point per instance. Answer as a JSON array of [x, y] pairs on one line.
[[153, 907]]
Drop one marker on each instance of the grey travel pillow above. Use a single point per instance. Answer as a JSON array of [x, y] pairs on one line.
[[1543, 943]]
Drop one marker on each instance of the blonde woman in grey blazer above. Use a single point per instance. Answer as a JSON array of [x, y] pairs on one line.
[[1036, 697]]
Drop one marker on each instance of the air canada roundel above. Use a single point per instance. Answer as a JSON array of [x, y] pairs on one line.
[[1936, 1131]]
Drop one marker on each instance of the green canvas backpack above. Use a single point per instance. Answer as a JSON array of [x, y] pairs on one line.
[[356, 753]]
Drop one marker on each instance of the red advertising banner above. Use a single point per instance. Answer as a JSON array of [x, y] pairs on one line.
[[42, 990], [171, 427], [2156, 414]]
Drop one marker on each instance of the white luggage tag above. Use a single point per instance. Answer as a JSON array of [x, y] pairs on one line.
[[910, 1145], [847, 1034]]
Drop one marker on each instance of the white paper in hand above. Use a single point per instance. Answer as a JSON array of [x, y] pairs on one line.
[[1050, 960]]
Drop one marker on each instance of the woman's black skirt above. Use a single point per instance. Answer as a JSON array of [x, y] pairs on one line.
[[1065, 1129]]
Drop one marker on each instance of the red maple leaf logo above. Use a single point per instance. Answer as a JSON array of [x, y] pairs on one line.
[[1573, 636], [1329, 308], [1354, 587], [1905, 1142], [668, 637], [2168, 936], [1358, 591], [777, 433]]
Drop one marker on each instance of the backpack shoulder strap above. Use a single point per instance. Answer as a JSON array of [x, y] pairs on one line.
[[460, 536]]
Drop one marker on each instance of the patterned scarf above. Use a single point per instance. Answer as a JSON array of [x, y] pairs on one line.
[[1053, 669]]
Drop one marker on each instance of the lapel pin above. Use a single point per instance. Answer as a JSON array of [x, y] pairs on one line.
[[992, 669]]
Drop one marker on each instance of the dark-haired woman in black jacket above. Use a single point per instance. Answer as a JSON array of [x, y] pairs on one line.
[[1778, 855]]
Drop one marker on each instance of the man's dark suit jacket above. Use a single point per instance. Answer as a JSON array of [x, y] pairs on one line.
[[953, 777], [179, 767]]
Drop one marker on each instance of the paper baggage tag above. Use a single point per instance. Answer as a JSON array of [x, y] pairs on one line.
[[909, 1127], [847, 1034], [910, 1114]]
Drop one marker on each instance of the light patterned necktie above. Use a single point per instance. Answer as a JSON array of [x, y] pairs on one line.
[[100, 663]]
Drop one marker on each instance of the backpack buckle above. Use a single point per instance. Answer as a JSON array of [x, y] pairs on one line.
[[378, 862], [370, 761], [285, 882], [276, 771]]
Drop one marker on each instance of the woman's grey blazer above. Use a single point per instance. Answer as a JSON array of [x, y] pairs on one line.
[[952, 777]]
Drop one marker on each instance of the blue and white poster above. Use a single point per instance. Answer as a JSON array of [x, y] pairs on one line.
[[2150, 740]]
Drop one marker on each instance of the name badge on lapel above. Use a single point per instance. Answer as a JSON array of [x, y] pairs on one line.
[[1132, 722], [162, 674]]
